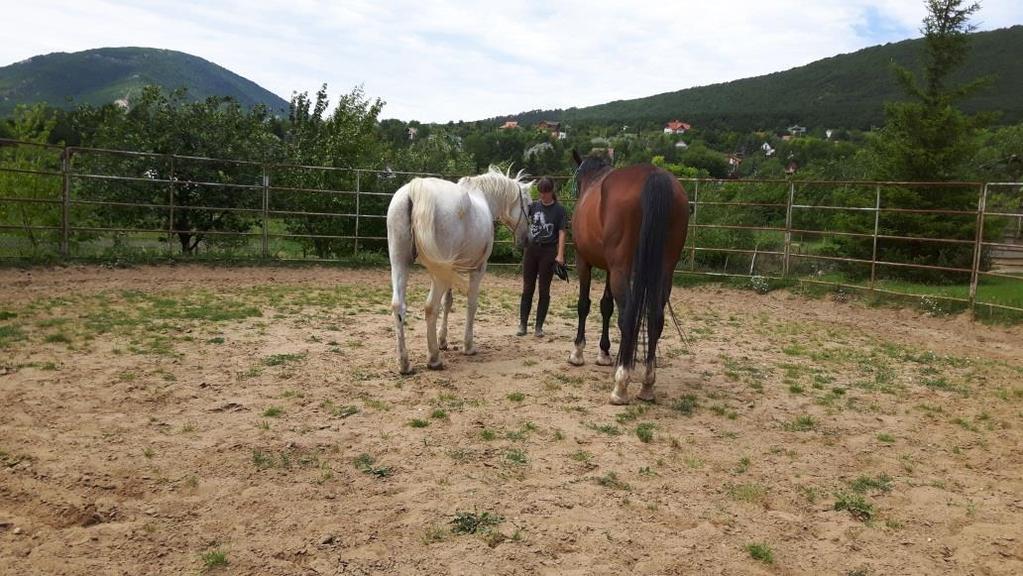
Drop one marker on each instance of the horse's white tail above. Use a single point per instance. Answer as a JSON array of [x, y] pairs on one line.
[[442, 267]]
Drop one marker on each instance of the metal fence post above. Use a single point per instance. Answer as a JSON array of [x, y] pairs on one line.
[[170, 216], [65, 205], [977, 248], [788, 228], [877, 227], [265, 244], [692, 222], [358, 206]]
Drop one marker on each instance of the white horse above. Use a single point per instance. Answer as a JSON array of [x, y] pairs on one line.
[[450, 229]]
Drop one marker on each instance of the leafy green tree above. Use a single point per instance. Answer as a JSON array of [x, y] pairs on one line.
[[169, 124], [346, 140], [32, 124]]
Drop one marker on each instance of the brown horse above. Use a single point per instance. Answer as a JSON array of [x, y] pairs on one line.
[[631, 222]]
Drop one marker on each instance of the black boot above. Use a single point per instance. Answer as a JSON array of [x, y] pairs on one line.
[[541, 314], [525, 304]]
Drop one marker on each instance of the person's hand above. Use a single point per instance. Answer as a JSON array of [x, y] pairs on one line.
[[560, 260]]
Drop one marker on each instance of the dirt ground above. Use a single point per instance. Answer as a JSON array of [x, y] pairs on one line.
[[186, 420]]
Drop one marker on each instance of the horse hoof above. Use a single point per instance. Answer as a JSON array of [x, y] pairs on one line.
[[646, 398], [605, 360], [576, 360], [405, 369], [438, 365], [619, 400], [470, 351], [443, 345]]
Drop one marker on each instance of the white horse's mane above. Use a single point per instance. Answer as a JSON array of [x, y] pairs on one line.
[[497, 185]]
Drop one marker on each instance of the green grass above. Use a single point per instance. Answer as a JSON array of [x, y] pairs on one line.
[[10, 334], [273, 412], [282, 359], [880, 483], [516, 396], [802, 423], [214, 559], [855, 504], [645, 432], [474, 523], [418, 423], [610, 480], [365, 464], [760, 551], [685, 405]]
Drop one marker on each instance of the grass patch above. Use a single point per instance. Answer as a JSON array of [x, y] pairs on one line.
[[282, 359], [474, 523], [751, 493], [760, 552], [685, 405], [10, 334], [802, 423], [516, 456], [609, 429], [273, 412], [516, 396], [365, 464], [855, 504], [645, 432], [214, 559], [863, 484], [418, 423], [610, 480]]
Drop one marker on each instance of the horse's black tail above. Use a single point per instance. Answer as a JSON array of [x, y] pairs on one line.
[[646, 290]]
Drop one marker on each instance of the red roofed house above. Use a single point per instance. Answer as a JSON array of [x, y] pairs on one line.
[[676, 127], [509, 124]]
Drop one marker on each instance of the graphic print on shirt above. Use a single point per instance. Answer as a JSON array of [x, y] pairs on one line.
[[540, 230]]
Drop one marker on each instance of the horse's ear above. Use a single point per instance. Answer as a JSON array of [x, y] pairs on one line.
[[576, 157]]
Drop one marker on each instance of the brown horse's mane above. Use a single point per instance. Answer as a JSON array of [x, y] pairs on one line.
[[590, 168]]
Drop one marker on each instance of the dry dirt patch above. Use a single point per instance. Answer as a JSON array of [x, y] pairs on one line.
[[250, 421]]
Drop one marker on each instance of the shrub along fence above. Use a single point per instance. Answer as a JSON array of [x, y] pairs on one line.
[[932, 240]]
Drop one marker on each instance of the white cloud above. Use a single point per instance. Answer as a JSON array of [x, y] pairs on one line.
[[437, 60]]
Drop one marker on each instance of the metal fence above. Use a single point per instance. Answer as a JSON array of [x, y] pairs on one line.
[[80, 203]]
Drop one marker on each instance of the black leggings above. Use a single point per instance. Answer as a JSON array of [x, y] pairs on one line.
[[538, 262]]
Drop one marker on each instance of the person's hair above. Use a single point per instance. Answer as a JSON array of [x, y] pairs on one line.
[[546, 185]]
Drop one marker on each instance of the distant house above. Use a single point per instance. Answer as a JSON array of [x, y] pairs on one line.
[[791, 167], [412, 131], [734, 159], [676, 127], [768, 151], [681, 144], [548, 126], [509, 125], [796, 130], [828, 133]]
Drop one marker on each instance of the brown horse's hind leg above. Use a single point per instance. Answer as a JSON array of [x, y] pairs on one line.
[[618, 280], [607, 307], [655, 326], [584, 270]]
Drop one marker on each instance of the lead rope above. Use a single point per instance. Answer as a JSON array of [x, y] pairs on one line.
[[678, 327]]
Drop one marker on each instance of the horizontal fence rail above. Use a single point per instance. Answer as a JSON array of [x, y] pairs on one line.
[[80, 203]]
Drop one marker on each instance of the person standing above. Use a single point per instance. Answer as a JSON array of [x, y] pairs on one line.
[[547, 229]]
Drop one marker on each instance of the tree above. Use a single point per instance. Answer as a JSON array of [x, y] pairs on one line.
[[346, 139], [927, 138], [168, 124], [32, 124]]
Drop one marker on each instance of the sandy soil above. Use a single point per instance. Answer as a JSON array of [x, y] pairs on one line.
[[174, 420]]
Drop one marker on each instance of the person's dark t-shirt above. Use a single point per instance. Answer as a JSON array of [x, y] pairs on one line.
[[545, 222]]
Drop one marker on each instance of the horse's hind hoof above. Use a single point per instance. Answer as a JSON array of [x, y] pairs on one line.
[[605, 360], [435, 365], [470, 351], [646, 398], [619, 400]]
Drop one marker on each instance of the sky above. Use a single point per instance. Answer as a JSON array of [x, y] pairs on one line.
[[440, 61]]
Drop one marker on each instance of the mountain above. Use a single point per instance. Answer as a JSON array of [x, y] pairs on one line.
[[844, 91], [104, 75]]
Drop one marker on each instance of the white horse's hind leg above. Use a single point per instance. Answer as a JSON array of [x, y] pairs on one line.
[[475, 279], [444, 311], [433, 304], [399, 283]]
